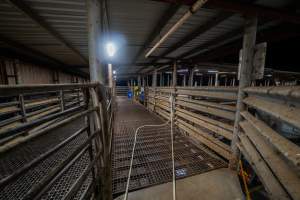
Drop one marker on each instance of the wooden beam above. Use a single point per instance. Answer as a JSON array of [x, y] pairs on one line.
[[25, 9]]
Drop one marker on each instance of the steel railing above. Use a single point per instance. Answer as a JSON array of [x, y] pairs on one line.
[[70, 122]]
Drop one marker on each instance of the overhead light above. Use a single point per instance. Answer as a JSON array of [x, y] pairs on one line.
[[212, 71], [111, 49], [114, 72], [182, 70]]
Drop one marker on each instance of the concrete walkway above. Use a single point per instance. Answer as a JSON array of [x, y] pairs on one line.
[[220, 184]]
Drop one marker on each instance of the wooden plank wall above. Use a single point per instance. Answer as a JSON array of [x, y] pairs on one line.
[[14, 71]]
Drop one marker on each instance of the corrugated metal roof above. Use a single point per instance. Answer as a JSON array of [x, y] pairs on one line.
[[68, 18], [131, 20], [134, 21]]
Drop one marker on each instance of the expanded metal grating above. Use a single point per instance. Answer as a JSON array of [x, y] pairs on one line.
[[152, 161], [18, 157]]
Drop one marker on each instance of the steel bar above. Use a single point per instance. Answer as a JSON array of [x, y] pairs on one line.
[[37, 160], [46, 183], [74, 188], [37, 122], [13, 144], [11, 90], [38, 188]]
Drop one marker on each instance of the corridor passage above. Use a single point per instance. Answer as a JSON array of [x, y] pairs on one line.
[[152, 159]]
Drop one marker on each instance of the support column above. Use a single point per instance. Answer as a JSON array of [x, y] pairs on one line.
[[191, 78], [161, 82], [110, 76], [139, 81], [147, 81], [244, 81], [94, 34], [97, 74], [154, 78], [174, 79], [217, 80]]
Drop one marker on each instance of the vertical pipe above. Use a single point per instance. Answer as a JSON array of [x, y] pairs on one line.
[[244, 81]]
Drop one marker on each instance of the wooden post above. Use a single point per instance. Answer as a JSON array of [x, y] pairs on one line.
[[244, 81]]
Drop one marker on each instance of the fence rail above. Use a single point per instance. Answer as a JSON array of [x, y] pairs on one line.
[[268, 128], [268, 134], [32, 114], [205, 113]]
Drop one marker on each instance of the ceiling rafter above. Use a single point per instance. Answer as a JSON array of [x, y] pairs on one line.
[[164, 19], [24, 8], [220, 17], [39, 56], [247, 9], [269, 35], [234, 33]]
